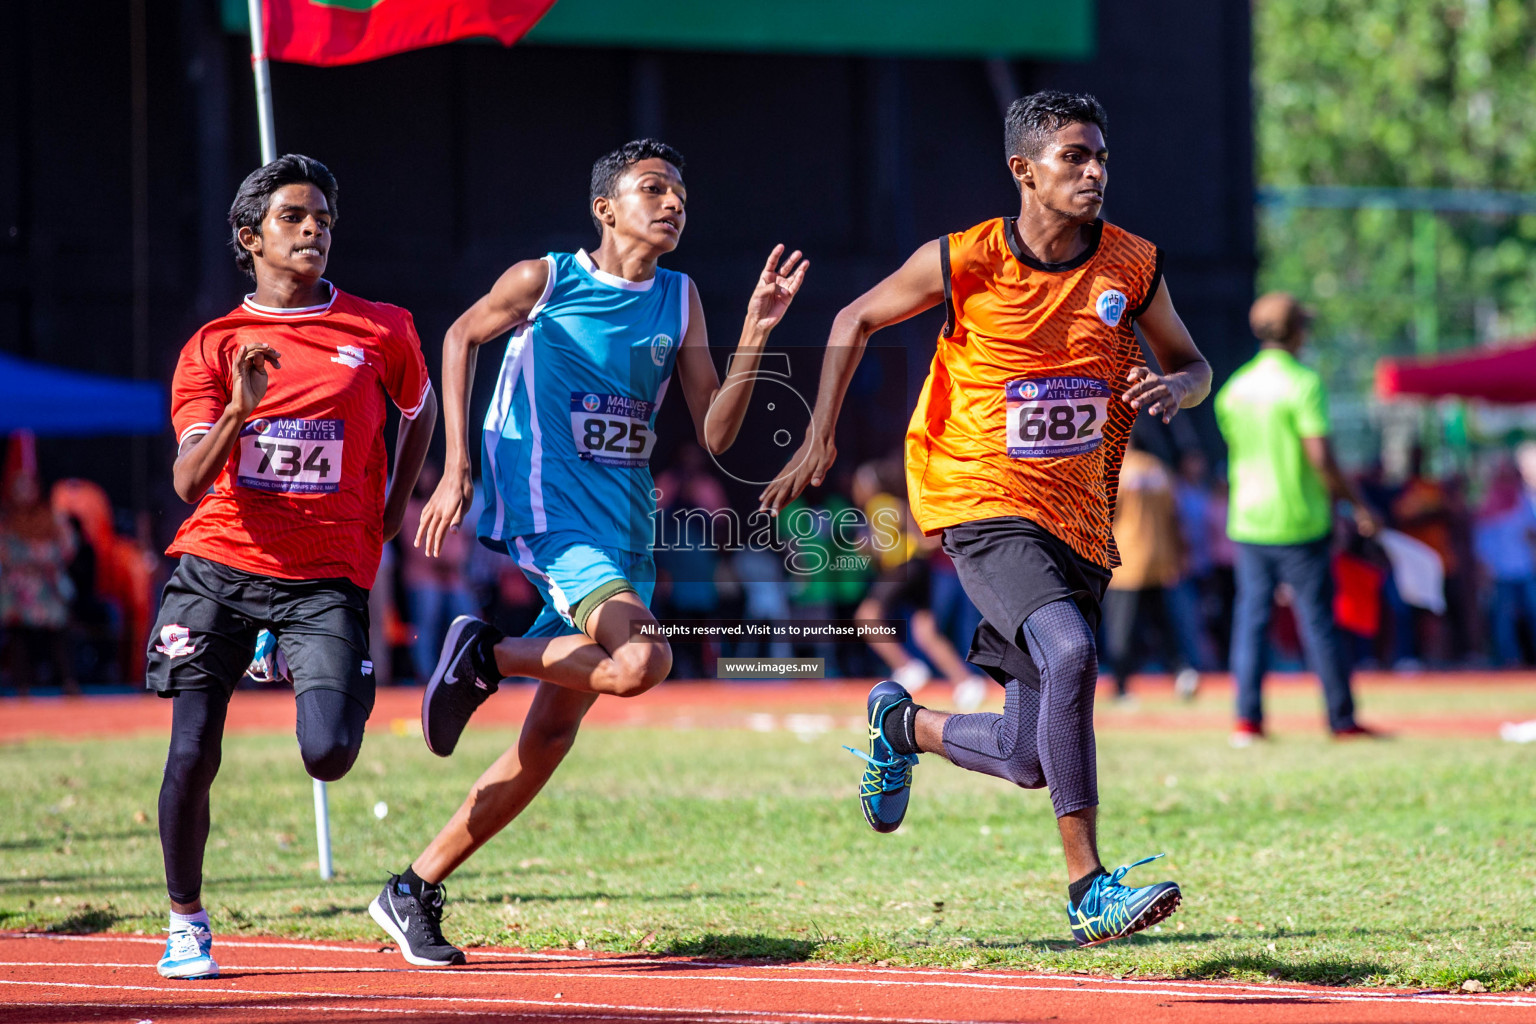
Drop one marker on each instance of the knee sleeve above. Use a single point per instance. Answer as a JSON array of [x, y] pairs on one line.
[[192, 766], [197, 736], [1002, 746], [1061, 643], [330, 731]]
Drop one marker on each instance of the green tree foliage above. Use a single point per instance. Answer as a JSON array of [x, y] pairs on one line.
[[1405, 94]]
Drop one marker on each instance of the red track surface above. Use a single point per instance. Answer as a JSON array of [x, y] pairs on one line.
[[812, 706], [57, 979]]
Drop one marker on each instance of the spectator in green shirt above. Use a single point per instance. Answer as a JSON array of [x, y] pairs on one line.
[[1273, 413]]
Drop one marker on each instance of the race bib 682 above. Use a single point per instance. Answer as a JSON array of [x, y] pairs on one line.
[[291, 456], [612, 430], [1050, 417]]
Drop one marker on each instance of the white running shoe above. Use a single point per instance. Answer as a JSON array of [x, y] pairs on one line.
[[188, 956], [1186, 683], [912, 676], [971, 693], [1518, 732], [269, 666]]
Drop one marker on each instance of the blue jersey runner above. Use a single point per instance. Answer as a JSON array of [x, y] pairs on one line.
[[569, 435]]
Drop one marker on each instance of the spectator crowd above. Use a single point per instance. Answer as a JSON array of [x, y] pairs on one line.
[[80, 580]]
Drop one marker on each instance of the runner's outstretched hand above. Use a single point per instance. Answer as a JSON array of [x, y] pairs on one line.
[[776, 288], [809, 466], [445, 510], [1159, 394]]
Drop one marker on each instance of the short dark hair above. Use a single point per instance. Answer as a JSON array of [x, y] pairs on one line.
[[610, 167], [1033, 119], [255, 197], [1278, 318]]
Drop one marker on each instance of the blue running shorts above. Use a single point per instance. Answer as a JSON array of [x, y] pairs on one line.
[[567, 568]]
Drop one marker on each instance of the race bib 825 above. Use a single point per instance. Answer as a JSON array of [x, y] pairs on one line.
[[612, 430], [1050, 417], [292, 456]]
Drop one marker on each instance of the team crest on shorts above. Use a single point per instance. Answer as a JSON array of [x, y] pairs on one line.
[[175, 641], [1111, 306]]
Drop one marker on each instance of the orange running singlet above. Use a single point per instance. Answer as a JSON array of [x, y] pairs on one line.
[[1021, 413]]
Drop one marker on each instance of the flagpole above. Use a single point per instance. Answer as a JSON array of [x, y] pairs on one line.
[[263, 84], [263, 75]]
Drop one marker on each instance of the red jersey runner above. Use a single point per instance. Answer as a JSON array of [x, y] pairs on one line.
[[302, 495]]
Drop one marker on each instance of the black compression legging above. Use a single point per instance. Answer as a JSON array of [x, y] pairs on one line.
[[330, 732], [1044, 738]]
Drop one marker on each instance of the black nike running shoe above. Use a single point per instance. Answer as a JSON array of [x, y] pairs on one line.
[[415, 923], [456, 689]]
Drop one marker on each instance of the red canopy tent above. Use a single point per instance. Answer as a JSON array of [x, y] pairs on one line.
[[1506, 374]]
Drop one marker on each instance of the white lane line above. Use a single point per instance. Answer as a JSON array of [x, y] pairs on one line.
[[1213, 990], [706, 1012], [880, 976], [288, 968], [1458, 1000], [392, 1011], [252, 943]]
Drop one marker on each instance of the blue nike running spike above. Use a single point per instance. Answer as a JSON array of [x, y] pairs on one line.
[[887, 782], [1110, 910]]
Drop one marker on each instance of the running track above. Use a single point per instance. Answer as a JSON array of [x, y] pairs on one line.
[[59, 979], [47, 979]]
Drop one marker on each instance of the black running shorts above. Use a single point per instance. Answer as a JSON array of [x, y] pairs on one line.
[[210, 615], [1010, 567]]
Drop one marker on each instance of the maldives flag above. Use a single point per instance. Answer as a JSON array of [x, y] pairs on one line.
[[352, 31]]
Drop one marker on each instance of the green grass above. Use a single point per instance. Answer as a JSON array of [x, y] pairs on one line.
[[1411, 862], [1406, 698]]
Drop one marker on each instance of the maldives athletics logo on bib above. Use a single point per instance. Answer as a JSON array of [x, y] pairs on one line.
[[1111, 306]]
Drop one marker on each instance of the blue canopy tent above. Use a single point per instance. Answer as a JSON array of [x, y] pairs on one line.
[[54, 402]]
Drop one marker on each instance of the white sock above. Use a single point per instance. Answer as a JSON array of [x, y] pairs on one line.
[[185, 921]]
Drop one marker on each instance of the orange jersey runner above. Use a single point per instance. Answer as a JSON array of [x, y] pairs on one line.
[[1021, 413]]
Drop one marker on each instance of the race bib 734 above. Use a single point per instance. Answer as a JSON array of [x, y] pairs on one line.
[[1050, 417], [291, 456], [612, 430]]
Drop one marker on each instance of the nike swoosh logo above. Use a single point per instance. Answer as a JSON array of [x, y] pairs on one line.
[[396, 916]]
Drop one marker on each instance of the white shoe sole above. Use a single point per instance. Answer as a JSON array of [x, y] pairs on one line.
[[444, 659], [191, 970], [382, 919]]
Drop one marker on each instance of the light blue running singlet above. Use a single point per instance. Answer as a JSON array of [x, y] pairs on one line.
[[568, 437]]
